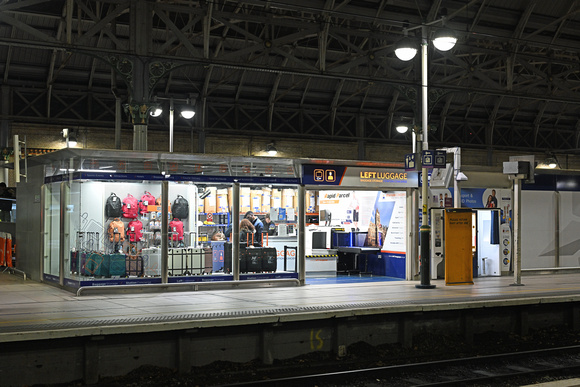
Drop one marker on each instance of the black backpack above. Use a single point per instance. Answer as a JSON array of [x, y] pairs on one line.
[[180, 208], [113, 206]]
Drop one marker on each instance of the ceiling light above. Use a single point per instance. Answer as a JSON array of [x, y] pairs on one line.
[[271, 149], [402, 128], [444, 39], [406, 49], [156, 112], [187, 113], [551, 162]]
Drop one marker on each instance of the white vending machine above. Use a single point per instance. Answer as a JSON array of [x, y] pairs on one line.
[[437, 243]]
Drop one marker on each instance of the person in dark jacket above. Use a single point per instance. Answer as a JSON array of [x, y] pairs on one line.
[[247, 231], [258, 225]]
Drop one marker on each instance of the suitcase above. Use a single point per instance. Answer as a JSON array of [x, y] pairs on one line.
[[151, 262], [94, 265], [82, 262], [228, 258], [177, 261], [269, 259], [251, 260], [134, 266], [217, 248], [196, 260], [227, 266], [74, 262], [208, 260], [116, 265]]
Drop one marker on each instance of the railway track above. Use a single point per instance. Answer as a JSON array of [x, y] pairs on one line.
[[489, 370]]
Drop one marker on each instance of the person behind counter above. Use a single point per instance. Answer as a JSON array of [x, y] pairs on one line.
[[269, 226], [247, 230], [258, 225]]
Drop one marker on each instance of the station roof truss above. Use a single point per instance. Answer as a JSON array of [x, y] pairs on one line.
[[317, 70]]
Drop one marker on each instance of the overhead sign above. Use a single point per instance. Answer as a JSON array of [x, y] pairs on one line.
[[339, 175], [428, 158], [440, 159], [411, 162]]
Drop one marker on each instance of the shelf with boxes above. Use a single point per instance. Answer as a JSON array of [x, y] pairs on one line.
[[210, 223]]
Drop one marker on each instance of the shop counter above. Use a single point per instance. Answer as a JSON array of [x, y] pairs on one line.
[[349, 258]]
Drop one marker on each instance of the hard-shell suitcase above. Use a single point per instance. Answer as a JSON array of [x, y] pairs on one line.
[[269, 259], [208, 260], [82, 262], [251, 258], [218, 252], [116, 264], [228, 258], [95, 264], [151, 262], [74, 261], [177, 261], [196, 259]]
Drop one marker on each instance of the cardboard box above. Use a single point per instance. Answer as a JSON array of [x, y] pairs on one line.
[[276, 199], [311, 197], [245, 199], [266, 199], [256, 200], [288, 198], [210, 202], [222, 200], [201, 206]]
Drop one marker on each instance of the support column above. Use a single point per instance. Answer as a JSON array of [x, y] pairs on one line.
[[236, 231], [301, 253], [164, 232], [5, 129], [517, 232], [425, 229]]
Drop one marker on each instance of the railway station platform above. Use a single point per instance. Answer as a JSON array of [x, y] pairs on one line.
[[54, 336]]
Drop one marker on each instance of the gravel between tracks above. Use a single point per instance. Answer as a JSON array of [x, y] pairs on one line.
[[359, 355]]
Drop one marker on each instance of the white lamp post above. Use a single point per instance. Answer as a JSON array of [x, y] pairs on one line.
[[186, 112], [406, 50]]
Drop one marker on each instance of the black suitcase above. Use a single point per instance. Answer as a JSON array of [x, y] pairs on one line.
[[269, 259], [251, 260], [228, 258]]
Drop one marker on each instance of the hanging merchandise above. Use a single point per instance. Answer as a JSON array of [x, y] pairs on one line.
[[146, 200], [135, 231], [180, 207], [116, 231], [130, 207], [176, 230], [113, 206]]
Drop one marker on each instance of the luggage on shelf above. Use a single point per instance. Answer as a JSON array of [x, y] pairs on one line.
[[269, 259], [95, 265], [134, 266], [251, 260], [116, 264], [186, 261], [151, 262]]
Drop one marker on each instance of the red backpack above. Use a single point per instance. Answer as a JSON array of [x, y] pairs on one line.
[[146, 200], [134, 230], [130, 207], [176, 230]]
